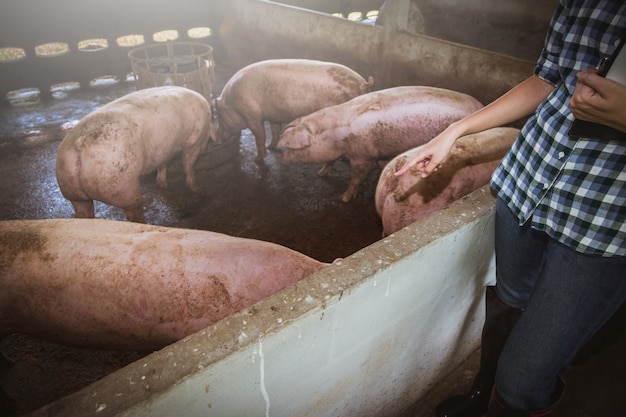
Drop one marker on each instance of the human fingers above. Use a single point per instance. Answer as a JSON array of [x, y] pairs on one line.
[[417, 159]]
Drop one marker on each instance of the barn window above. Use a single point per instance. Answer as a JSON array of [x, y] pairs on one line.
[[93, 45], [197, 33], [130, 40], [165, 35], [11, 54], [52, 49]]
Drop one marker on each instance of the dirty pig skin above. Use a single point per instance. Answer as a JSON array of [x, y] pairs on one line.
[[103, 157], [403, 200], [372, 127], [280, 90], [121, 285]]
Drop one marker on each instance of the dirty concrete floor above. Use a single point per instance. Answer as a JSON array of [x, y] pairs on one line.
[[287, 205]]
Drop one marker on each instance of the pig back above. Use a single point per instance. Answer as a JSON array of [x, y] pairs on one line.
[[122, 285], [377, 125], [403, 200], [160, 121], [130, 137], [281, 90]]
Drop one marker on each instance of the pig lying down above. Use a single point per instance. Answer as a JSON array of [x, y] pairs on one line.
[[127, 286], [372, 127], [403, 200], [103, 157], [280, 90]]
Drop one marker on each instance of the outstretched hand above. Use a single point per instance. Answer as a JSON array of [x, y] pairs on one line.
[[431, 155]]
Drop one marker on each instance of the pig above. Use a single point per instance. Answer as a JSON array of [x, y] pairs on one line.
[[403, 200], [103, 157], [372, 127], [120, 285], [280, 90]]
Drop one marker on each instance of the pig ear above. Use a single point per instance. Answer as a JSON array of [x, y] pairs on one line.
[[295, 137]]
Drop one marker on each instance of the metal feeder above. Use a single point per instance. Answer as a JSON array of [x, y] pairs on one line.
[[185, 64]]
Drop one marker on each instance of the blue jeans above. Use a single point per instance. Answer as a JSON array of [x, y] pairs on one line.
[[566, 296]]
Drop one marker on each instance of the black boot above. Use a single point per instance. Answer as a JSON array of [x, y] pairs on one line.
[[497, 407], [499, 320]]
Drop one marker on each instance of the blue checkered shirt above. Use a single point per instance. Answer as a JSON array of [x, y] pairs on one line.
[[574, 190]]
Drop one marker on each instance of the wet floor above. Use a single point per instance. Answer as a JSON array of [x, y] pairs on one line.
[[288, 205]]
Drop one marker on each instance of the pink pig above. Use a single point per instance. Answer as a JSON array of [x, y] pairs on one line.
[[103, 157], [127, 286], [372, 127], [403, 200], [280, 90]]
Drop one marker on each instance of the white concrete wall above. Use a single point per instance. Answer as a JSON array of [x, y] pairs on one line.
[[366, 337]]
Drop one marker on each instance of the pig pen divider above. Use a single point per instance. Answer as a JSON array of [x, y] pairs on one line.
[[367, 336]]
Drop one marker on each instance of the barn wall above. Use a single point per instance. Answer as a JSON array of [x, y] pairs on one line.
[[243, 31], [252, 30], [366, 337], [511, 27]]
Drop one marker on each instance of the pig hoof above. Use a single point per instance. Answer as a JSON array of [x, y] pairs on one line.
[[347, 196]]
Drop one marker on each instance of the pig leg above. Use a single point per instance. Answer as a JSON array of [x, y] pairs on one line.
[[135, 214], [161, 178], [275, 127], [358, 173], [190, 157], [84, 209], [130, 201], [327, 169], [258, 130]]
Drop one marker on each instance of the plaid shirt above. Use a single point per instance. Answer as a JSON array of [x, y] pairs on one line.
[[574, 190]]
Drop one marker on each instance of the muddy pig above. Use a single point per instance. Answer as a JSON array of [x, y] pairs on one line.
[[372, 127], [103, 157], [280, 90], [127, 286], [403, 200]]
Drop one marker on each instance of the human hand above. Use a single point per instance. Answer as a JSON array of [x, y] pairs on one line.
[[600, 100], [431, 155]]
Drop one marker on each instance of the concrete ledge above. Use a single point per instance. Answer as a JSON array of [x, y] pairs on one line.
[[367, 336]]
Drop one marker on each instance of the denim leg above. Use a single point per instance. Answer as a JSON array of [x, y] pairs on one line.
[[573, 296], [519, 257]]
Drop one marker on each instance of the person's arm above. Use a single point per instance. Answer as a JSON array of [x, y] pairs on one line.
[[517, 103], [600, 100]]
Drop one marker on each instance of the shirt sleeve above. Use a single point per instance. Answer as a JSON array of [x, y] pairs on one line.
[[547, 67]]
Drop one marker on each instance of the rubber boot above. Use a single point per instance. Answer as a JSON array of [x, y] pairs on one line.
[[498, 408], [499, 320]]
